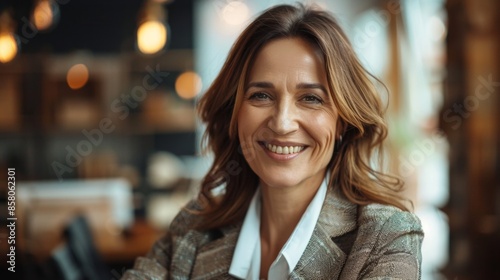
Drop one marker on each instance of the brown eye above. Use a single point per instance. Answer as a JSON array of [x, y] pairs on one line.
[[260, 96], [312, 99]]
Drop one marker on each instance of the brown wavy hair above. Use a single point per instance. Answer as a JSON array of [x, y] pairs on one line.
[[354, 95]]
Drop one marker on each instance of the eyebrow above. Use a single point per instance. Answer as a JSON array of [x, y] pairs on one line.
[[299, 86], [312, 86], [259, 85]]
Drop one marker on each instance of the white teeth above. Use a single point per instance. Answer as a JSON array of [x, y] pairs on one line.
[[286, 150]]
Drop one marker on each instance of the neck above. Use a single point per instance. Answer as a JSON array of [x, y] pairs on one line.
[[282, 208]]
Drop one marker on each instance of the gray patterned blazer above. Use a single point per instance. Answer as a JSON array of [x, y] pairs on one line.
[[348, 242]]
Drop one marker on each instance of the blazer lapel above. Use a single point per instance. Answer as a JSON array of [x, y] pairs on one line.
[[213, 258], [324, 255]]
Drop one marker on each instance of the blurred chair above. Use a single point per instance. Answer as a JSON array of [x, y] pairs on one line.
[[47, 207], [78, 258]]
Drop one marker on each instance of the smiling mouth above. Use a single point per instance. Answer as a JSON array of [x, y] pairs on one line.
[[282, 150]]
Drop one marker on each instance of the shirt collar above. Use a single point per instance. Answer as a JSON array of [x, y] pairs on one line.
[[297, 242], [249, 237]]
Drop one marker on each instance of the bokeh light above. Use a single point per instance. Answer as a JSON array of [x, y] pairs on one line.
[[78, 76], [8, 47], [188, 85], [235, 12], [43, 15], [151, 37]]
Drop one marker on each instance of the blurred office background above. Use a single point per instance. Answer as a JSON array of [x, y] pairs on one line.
[[97, 116]]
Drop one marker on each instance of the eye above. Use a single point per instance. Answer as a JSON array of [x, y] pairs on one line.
[[311, 98], [259, 96]]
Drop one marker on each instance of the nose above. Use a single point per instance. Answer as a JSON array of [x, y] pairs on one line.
[[284, 119]]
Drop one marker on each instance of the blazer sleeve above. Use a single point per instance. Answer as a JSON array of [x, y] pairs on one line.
[[397, 251], [159, 260], [153, 265]]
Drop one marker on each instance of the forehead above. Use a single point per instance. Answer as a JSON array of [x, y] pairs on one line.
[[288, 55]]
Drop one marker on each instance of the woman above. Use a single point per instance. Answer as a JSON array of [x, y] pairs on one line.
[[293, 120]]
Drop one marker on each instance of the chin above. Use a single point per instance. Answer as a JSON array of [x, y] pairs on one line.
[[284, 179]]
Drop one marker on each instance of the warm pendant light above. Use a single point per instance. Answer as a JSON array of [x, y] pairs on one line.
[[9, 45], [153, 31]]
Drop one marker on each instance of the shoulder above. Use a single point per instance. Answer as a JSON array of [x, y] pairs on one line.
[[186, 219], [388, 218], [383, 227], [388, 243]]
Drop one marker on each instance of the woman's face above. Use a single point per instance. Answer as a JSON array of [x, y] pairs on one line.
[[287, 120]]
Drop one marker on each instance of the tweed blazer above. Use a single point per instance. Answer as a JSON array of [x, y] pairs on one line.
[[349, 242]]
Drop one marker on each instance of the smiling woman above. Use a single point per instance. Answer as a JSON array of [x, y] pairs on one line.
[[287, 118], [293, 121], [289, 122]]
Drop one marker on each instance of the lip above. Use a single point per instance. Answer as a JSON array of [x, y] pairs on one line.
[[281, 157], [281, 143]]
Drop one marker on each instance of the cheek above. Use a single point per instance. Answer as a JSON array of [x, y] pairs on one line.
[[244, 123], [322, 128], [250, 119], [247, 126]]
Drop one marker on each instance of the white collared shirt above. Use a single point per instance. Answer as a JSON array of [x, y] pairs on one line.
[[246, 259]]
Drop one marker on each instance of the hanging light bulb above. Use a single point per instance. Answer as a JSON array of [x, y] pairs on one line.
[[9, 46], [45, 14], [152, 34]]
